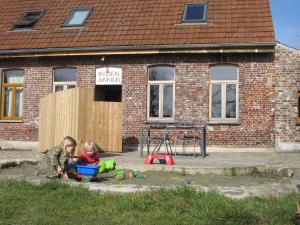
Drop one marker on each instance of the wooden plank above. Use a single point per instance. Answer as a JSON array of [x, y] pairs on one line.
[[47, 122], [74, 113]]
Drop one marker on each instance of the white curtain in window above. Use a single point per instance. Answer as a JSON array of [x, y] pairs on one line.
[[19, 102], [7, 102]]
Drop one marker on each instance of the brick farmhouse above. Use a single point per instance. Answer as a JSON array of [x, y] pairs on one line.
[[215, 63]]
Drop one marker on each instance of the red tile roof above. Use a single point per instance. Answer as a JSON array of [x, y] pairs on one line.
[[135, 23]]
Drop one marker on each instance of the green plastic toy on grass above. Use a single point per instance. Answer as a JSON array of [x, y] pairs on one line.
[[107, 165]]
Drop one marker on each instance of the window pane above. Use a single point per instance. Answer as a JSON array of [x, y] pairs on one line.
[[19, 102], [8, 102], [71, 86], [154, 100], [216, 101], [194, 12], [64, 74], [224, 72], [168, 101], [161, 73], [31, 16], [14, 76], [230, 101], [58, 88], [78, 17]]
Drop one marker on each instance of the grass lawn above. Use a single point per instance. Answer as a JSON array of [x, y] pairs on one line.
[[55, 203]]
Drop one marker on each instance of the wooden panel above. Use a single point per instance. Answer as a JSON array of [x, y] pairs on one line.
[[74, 113], [47, 120]]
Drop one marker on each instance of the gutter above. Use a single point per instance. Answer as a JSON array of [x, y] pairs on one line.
[[143, 49]]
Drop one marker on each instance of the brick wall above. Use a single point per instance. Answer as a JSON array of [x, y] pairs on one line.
[[256, 93], [287, 134]]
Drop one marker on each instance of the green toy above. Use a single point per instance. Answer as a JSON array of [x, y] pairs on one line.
[[102, 167], [107, 165], [120, 174], [110, 164], [136, 175]]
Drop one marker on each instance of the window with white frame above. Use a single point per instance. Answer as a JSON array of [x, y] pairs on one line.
[[223, 93], [161, 86], [64, 78], [12, 95]]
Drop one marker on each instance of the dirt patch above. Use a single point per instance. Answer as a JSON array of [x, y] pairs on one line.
[[169, 178], [158, 178]]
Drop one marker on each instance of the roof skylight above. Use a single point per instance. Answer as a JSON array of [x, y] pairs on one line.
[[28, 19], [77, 17], [195, 12]]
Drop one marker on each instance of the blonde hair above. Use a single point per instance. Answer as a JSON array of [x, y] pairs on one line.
[[88, 144], [68, 140]]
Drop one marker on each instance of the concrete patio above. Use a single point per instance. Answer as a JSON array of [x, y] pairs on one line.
[[222, 163], [216, 163]]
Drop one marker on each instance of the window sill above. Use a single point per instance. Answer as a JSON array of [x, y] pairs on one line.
[[224, 123], [11, 121], [160, 121]]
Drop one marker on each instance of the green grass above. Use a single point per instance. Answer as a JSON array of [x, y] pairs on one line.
[[56, 203]]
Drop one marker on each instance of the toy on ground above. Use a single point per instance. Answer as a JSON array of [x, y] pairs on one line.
[[107, 165], [85, 172], [136, 175], [168, 159], [120, 174]]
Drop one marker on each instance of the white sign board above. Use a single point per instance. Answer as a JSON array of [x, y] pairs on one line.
[[109, 76]]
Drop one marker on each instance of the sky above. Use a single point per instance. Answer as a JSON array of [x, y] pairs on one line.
[[286, 20]]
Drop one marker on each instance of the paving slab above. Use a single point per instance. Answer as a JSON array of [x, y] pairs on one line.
[[220, 163]]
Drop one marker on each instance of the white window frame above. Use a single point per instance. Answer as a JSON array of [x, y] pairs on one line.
[[160, 83], [224, 83], [65, 84]]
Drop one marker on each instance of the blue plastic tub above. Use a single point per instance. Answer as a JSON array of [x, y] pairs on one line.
[[87, 169]]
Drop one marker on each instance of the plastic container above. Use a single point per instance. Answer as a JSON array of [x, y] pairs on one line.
[[87, 169]]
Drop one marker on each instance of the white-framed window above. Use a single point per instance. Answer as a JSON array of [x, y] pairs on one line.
[[161, 93], [12, 94], [223, 94], [64, 78]]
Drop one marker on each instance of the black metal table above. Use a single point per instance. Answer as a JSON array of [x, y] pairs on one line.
[[200, 129]]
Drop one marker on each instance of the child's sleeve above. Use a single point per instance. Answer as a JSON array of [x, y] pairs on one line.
[[81, 158], [97, 158], [54, 155]]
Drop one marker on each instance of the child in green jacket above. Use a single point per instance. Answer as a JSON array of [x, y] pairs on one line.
[[54, 161]]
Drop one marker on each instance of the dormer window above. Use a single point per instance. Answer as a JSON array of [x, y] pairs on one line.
[[28, 19], [195, 13], [77, 17]]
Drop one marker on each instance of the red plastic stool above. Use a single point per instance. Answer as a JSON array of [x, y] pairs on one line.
[[151, 157]]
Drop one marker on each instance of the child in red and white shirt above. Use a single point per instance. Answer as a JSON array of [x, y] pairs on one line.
[[90, 154]]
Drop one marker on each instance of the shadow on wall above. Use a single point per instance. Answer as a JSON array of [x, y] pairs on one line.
[[99, 149]]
